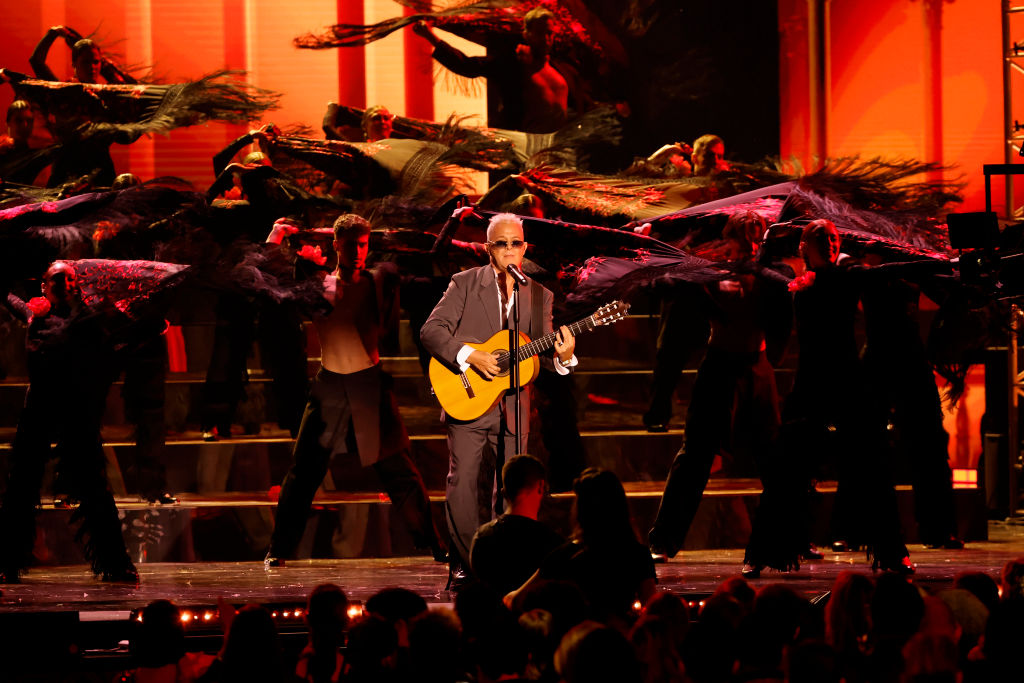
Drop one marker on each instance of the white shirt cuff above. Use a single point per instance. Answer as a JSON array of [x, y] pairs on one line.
[[462, 355], [564, 370]]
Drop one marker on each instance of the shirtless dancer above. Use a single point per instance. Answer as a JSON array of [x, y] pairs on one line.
[[533, 96], [351, 404]]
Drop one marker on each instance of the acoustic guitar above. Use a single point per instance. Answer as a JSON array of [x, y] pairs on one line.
[[468, 395]]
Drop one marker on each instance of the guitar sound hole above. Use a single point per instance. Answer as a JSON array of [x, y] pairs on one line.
[[503, 357]]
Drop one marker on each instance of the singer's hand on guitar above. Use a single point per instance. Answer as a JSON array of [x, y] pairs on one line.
[[565, 343], [484, 363]]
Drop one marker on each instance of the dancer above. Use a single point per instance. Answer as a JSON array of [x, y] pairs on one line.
[[71, 367], [527, 93], [86, 58], [375, 124], [351, 402], [829, 411], [19, 163], [477, 305], [735, 403], [903, 383]]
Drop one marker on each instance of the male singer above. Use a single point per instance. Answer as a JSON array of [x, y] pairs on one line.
[[476, 305]]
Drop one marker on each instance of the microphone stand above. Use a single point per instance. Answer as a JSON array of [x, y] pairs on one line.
[[515, 366]]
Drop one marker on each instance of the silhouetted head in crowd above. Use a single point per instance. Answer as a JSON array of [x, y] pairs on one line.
[[524, 482], [981, 585], [653, 640], [819, 244], [372, 650], [602, 516], [674, 611], [848, 612], [779, 616], [811, 661], [327, 615], [478, 605], [739, 588], [595, 652], [251, 648], [541, 642], [938, 618], [710, 650], [563, 600], [501, 652], [159, 637], [1004, 634], [20, 121], [896, 608], [434, 653], [1011, 580], [970, 614], [396, 604], [86, 59], [377, 123], [930, 658], [708, 155]]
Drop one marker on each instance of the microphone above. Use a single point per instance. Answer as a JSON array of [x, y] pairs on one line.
[[516, 274]]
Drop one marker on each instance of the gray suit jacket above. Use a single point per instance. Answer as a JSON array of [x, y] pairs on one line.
[[468, 312]]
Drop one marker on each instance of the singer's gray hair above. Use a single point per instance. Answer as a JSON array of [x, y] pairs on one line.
[[499, 218]]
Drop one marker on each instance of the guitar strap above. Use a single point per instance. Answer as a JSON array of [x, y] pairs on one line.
[[537, 312]]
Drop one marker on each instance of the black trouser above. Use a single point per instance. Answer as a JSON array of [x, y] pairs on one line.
[[734, 396], [69, 412], [683, 329], [327, 429], [282, 342], [911, 400], [838, 420], [145, 378], [226, 374]]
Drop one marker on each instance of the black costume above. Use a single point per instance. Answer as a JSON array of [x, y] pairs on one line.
[[71, 367], [830, 413], [903, 384]]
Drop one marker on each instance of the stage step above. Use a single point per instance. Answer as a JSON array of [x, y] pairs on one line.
[[252, 464], [236, 527]]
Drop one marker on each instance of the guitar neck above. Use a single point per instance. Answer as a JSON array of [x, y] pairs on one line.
[[542, 344]]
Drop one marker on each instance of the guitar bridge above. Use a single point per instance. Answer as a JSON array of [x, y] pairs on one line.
[[466, 385]]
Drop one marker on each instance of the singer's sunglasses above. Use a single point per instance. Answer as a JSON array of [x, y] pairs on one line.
[[502, 244]]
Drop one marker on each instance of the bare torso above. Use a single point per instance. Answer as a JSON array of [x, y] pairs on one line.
[[349, 334], [546, 97]]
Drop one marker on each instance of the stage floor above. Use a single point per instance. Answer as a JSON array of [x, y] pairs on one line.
[[691, 573]]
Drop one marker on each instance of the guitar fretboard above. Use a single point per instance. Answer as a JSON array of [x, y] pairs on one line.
[[546, 342]]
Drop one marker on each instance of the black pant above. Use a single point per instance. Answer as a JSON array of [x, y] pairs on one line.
[[910, 399], [735, 404], [70, 413], [684, 329], [145, 378], [327, 429], [834, 417]]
